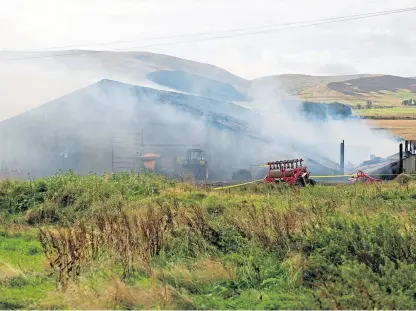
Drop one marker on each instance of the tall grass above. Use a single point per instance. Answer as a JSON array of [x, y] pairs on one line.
[[258, 246]]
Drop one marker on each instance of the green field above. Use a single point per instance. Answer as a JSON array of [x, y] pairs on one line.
[[387, 112], [139, 241]]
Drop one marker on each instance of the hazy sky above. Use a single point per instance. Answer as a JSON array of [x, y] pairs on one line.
[[383, 44]]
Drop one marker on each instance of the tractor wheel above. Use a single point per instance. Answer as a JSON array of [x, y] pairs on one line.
[[300, 183]]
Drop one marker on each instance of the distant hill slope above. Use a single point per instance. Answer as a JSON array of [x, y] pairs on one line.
[[195, 84], [46, 76], [197, 68], [382, 90], [379, 84], [293, 84]]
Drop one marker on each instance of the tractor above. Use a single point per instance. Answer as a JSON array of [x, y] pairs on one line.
[[196, 164]]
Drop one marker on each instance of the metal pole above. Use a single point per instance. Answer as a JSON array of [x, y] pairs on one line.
[[142, 144], [112, 154], [341, 162], [401, 159]]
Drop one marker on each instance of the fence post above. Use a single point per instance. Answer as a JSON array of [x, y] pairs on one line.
[[341, 162]]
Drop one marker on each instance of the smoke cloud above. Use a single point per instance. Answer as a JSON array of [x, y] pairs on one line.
[[102, 126]]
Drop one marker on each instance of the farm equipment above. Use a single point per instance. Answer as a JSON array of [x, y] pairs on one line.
[[290, 172], [196, 164], [151, 161], [363, 177]]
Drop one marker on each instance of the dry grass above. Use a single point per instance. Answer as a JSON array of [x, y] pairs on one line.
[[273, 228], [7, 271], [18, 228], [405, 128], [202, 271], [209, 270], [129, 238], [295, 263], [113, 294]]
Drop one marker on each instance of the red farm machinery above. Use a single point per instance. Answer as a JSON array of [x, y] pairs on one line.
[[291, 172], [363, 177]]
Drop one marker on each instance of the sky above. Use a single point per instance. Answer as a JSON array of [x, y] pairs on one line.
[[384, 44]]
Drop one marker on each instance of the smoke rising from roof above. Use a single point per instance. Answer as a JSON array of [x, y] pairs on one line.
[[82, 124]]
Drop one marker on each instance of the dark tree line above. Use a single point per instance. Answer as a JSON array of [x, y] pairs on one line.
[[409, 102]]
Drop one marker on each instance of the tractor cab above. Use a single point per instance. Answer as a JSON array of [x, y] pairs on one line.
[[196, 163], [195, 156]]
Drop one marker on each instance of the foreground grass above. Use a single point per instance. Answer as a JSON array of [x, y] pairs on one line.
[[131, 241]]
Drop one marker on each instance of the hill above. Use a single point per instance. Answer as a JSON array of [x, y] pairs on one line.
[[196, 68], [378, 85], [45, 76], [103, 128], [197, 85], [51, 76], [382, 90], [294, 84]]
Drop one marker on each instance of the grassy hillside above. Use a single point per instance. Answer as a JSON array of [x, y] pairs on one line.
[[131, 241], [295, 84], [383, 90], [376, 84]]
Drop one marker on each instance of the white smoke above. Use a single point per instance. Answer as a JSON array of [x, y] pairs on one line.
[[288, 127], [86, 121]]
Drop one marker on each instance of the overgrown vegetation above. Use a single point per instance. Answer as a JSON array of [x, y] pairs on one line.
[[139, 241]]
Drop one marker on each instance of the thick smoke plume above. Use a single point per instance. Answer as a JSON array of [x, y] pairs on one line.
[[79, 130], [291, 130]]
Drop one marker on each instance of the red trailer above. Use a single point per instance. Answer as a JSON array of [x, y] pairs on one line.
[[291, 172]]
